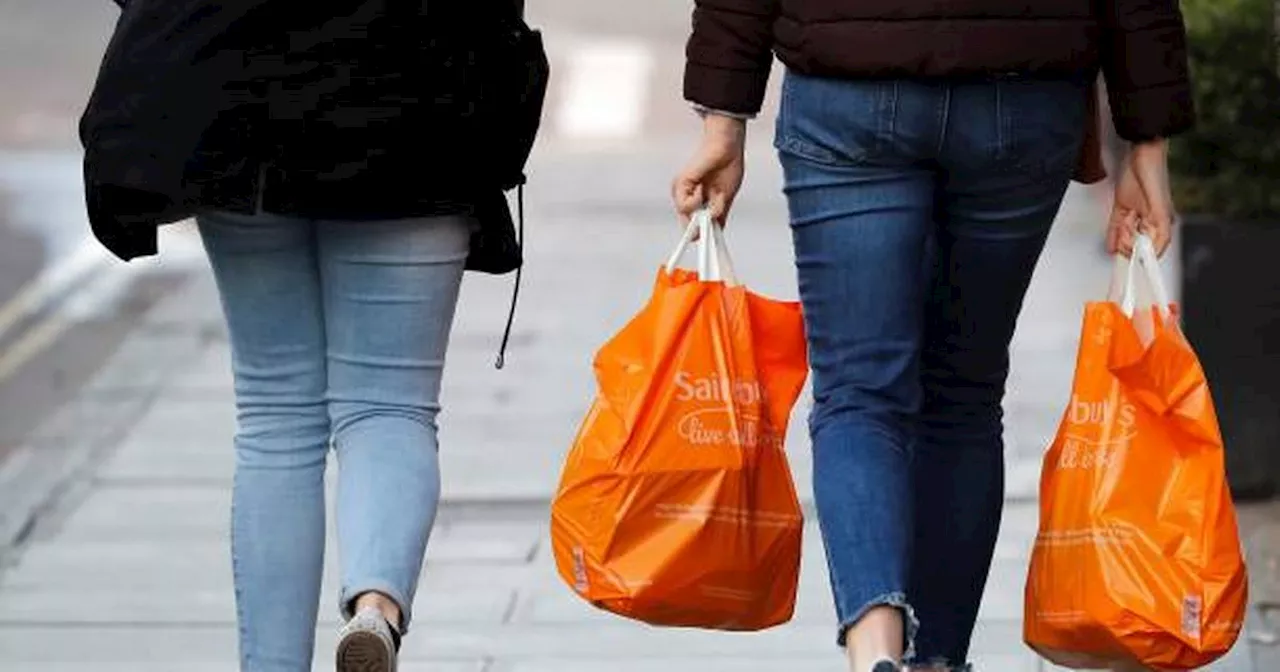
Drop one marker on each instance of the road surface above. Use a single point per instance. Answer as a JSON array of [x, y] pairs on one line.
[[61, 314]]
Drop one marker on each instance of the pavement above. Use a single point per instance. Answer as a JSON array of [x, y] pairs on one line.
[[53, 334], [114, 501]]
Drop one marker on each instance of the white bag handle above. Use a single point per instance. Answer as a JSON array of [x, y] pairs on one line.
[[1124, 279], [714, 262]]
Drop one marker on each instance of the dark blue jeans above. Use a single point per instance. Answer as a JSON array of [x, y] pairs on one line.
[[919, 211]]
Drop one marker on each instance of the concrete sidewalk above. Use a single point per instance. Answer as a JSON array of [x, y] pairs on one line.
[[122, 565]]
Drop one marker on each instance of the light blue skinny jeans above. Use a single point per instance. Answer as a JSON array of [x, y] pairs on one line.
[[338, 335]]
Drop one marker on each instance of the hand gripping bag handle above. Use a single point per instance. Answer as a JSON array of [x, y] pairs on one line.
[[1124, 278], [714, 262]]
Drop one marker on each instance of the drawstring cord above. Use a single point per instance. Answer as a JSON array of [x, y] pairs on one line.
[[515, 292]]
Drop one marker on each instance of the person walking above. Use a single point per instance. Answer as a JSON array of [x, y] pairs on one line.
[[926, 148], [345, 162]]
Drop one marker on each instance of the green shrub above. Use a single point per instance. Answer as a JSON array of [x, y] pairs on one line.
[[1229, 165]]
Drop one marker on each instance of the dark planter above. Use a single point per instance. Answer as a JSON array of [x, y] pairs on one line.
[[1231, 315]]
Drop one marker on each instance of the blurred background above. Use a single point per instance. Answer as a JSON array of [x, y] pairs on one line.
[[115, 399]]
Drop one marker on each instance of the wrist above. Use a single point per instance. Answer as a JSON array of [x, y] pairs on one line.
[[725, 129], [1152, 146]]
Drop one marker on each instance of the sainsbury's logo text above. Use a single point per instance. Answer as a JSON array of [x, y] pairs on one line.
[[716, 427], [716, 388], [1079, 453], [1083, 412]]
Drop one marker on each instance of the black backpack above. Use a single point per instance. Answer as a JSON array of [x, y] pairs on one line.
[[508, 82], [510, 86]]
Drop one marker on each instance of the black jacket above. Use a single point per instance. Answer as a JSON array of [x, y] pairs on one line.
[[1140, 45], [343, 109]]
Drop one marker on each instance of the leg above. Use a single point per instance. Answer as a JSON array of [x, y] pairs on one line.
[[858, 263], [992, 224], [860, 222], [390, 292], [267, 276]]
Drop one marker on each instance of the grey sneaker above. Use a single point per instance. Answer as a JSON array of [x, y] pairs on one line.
[[886, 666], [368, 643]]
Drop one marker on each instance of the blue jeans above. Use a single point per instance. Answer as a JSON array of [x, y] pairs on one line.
[[338, 334], [919, 211]]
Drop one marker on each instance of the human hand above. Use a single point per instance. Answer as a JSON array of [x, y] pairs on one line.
[[713, 176], [1144, 200]]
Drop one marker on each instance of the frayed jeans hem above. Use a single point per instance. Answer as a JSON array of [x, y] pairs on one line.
[[898, 600]]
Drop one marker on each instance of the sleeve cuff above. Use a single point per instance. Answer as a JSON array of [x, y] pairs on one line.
[[727, 90], [704, 111], [1147, 114]]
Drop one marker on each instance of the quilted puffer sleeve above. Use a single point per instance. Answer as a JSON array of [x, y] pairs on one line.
[[1144, 58], [730, 54]]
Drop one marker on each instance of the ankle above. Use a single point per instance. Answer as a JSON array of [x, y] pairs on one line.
[[875, 639], [385, 605]]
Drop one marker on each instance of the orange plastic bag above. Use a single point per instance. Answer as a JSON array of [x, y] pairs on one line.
[[677, 506], [1138, 558]]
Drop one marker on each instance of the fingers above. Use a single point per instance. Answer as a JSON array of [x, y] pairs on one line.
[[713, 174], [686, 195], [1113, 235], [1113, 240], [690, 192], [1125, 225], [1158, 227], [1157, 221], [1154, 220], [718, 205], [1128, 232], [1121, 231]]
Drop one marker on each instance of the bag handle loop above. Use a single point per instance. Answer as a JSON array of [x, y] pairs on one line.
[[714, 262], [1125, 275]]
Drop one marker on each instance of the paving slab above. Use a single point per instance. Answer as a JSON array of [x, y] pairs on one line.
[[728, 663], [109, 606], [637, 646]]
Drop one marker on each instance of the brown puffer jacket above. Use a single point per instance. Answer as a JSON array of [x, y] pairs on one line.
[[1140, 46]]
